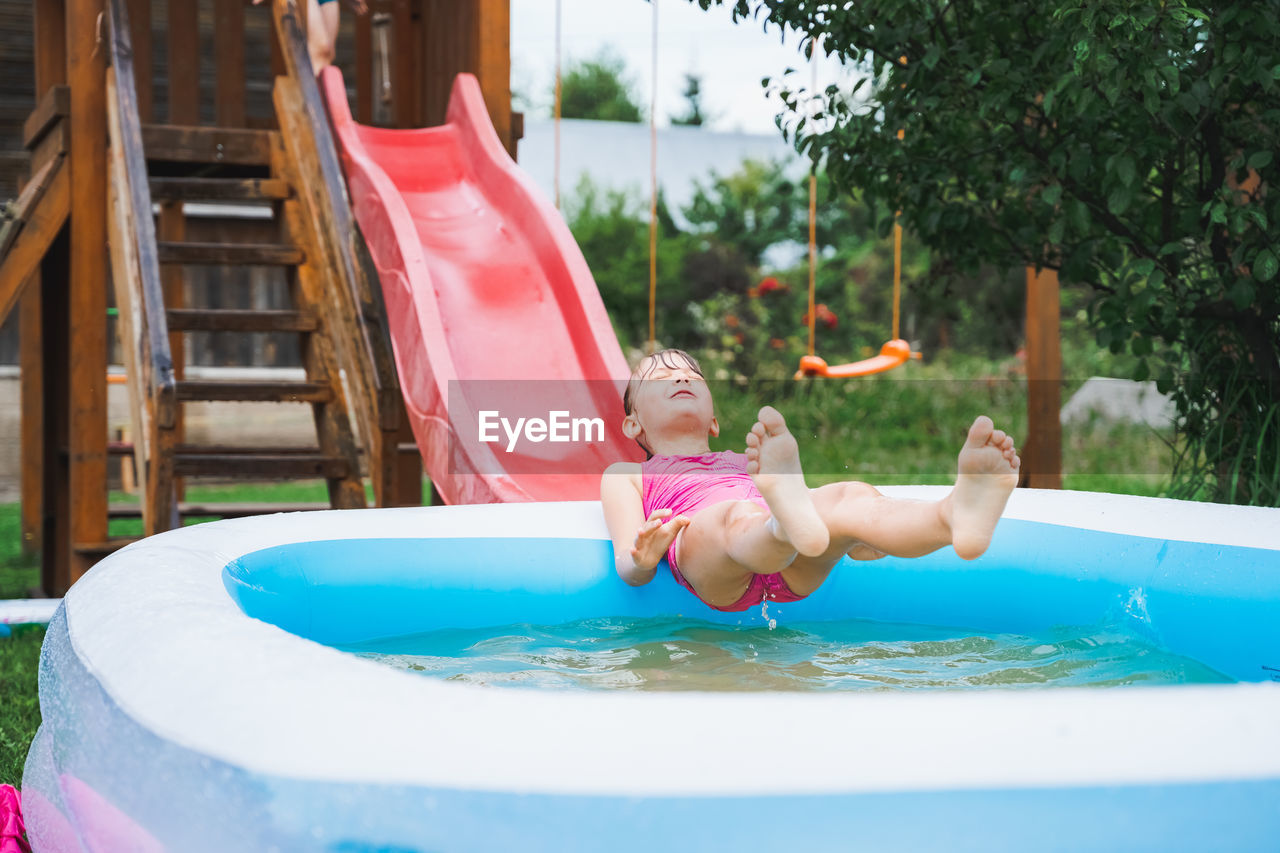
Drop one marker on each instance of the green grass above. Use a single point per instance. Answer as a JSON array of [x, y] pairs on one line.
[[19, 705]]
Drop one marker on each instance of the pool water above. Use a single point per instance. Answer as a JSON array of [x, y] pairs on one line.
[[685, 654]]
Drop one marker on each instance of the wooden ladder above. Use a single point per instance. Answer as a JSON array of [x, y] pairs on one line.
[[174, 165]]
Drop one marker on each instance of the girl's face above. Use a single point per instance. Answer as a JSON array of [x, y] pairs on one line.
[[670, 400]]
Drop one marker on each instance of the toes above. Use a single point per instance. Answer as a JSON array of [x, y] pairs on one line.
[[997, 437], [753, 440], [981, 431], [772, 420]]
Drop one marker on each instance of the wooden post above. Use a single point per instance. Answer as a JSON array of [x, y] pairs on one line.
[[229, 98], [1042, 450], [364, 67], [87, 447], [50, 70], [184, 63], [493, 64]]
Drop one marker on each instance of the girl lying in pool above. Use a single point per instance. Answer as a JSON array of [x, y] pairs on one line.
[[737, 528]]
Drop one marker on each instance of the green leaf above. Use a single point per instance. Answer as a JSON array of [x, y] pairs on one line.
[[1260, 159], [1056, 230], [1265, 265], [1119, 199], [1051, 194], [1144, 267], [1142, 372], [1125, 169], [1242, 293]]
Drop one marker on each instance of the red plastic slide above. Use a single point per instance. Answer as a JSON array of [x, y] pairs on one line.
[[511, 372]]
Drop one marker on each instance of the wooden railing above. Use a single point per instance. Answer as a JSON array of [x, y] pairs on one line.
[[136, 278], [354, 309]]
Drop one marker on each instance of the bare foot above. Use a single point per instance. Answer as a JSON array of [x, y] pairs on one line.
[[988, 473], [773, 461]]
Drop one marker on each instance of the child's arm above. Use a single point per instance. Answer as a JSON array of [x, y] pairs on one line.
[[638, 543]]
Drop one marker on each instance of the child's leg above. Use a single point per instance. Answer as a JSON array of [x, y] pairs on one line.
[[862, 519], [727, 543], [322, 32]]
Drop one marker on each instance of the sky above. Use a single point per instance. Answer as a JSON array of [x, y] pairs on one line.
[[730, 58]]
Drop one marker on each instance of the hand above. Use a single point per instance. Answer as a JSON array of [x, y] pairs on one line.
[[655, 537]]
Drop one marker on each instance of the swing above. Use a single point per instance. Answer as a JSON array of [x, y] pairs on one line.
[[895, 352]]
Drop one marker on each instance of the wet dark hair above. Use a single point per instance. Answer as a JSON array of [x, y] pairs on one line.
[[672, 358]]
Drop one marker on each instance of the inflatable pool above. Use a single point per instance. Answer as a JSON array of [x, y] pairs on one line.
[[189, 702]]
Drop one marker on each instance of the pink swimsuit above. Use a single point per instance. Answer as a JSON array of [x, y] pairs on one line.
[[686, 484]]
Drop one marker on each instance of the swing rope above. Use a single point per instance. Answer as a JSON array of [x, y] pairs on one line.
[[653, 187], [813, 218], [556, 157]]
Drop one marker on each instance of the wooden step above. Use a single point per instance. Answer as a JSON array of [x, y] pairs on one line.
[[220, 189], [98, 550], [252, 391], [193, 144], [230, 254], [239, 320], [261, 466], [219, 510]]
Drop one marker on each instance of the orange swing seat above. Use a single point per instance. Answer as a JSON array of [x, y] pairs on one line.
[[893, 354]]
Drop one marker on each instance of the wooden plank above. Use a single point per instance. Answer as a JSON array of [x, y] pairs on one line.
[[493, 64], [184, 63], [365, 71], [229, 94], [230, 254], [53, 144], [50, 201], [406, 108], [240, 320], [1042, 450], [50, 43], [188, 144], [328, 218], [219, 189], [86, 73], [138, 285], [92, 552], [54, 105], [22, 208], [172, 227], [139, 12], [333, 425], [32, 412], [125, 272], [221, 510], [283, 466], [55, 511], [257, 391], [49, 19]]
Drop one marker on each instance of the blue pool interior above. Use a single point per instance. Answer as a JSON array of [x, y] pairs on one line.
[[1214, 604]]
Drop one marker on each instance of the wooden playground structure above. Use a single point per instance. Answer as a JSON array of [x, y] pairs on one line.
[[117, 136], [120, 141]]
